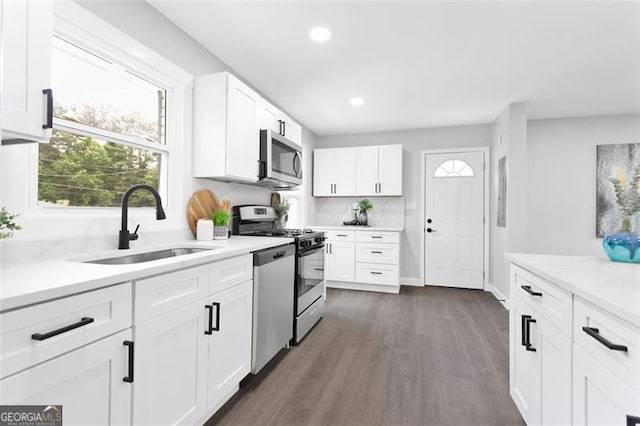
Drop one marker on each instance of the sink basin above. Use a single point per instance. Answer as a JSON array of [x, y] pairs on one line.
[[148, 256]]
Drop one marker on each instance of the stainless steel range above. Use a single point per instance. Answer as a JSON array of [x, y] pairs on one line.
[[308, 298]]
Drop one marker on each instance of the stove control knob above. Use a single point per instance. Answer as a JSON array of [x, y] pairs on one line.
[[319, 239], [305, 243]]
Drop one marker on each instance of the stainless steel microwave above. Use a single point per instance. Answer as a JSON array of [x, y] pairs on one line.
[[280, 161]]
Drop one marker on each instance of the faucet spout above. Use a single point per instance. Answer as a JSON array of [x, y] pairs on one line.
[[125, 236]]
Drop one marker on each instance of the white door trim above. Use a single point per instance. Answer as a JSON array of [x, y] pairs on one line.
[[485, 236]]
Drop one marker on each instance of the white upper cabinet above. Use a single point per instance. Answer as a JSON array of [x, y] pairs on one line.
[[362, 171], [226, 138], [275, 120], [379, 170], [27, 100], [334, 172]]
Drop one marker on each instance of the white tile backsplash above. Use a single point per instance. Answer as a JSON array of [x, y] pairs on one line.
[[387, 211]]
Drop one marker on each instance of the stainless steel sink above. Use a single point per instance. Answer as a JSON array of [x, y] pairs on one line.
[[148, 256]]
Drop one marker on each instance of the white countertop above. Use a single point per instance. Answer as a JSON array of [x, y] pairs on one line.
[[32, 282], [613, 286], [357, 228]]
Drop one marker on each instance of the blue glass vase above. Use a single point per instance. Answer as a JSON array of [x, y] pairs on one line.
[[624, 245]]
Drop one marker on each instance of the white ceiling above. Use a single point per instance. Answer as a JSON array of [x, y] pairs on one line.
[[424, 64]]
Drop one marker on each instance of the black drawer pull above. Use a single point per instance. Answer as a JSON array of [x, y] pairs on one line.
[[376, 252], [278, 255], [217, 327], [319, 269], [376, 273], [341, 235], [210, 328], [633, 420], [376, 237], [527, 288], [526, 332], [529, 346], [129, 377], [595, 333], [44, 336], [49, 123]]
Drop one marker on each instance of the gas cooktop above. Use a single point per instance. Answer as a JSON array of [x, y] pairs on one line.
[[289, 233]]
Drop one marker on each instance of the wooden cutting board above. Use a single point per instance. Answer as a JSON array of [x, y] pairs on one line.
[[201, 206]]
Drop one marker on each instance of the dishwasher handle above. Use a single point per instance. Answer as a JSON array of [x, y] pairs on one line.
[[274, 254]]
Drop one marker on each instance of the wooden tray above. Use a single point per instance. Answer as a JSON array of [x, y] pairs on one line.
[[201, 206]]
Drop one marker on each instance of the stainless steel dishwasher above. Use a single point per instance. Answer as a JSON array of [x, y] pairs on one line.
[[273, 275]]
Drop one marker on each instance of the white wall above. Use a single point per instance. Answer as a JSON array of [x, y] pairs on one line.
[[63, 232], [413, 142], [509, 137], [562, 180]]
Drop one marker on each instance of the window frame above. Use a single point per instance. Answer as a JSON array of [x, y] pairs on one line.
[[78, 26]]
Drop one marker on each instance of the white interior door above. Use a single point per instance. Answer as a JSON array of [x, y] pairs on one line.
[[454, 211]]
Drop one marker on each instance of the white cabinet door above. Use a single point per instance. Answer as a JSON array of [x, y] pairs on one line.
[[171, 367], [344, 172], [553, 353], [341, 258], [26, 69], [599, 397], [243, 136], [367, 171], [522, 364], [230, 343], [290, 129], [87, 382], [323, 172], [389, 170], [269, 117]]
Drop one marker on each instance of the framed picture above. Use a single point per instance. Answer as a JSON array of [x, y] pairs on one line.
[[617, 186]]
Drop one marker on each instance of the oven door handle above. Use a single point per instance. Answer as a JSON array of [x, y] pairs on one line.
[[309, 252]]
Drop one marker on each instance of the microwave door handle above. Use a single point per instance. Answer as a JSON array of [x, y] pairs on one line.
[[296, 164]]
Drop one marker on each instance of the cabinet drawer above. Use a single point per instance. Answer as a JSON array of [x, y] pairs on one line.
[[230, 272], [341, 235], [378, 253], [109, 308], [624, 364], [378, 237], [547, 299], [163, 293], [377, 274]]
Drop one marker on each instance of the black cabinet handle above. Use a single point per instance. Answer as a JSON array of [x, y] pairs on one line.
[[129, 377], [527, 288], [341, 235], [44, 336], [210, 328], [595, 333], [376, 273], [380, 188], [49, 123], [278, 255], [319, 269], [526, 332], [376, 237], [376, 252], [284, 128], [633, 420], [217, 327]]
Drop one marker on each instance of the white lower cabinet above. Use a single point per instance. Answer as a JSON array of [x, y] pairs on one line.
[[363, 260], [230, 342], [540, 367], [87, 382], [599, 397], [170, 376], [570, 362]]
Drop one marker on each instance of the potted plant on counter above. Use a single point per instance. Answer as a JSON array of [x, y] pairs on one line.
[[221, 224], [365, 207], [282, 212]]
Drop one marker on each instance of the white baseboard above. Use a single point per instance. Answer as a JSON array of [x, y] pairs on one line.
[[416, 282], [498, 295]]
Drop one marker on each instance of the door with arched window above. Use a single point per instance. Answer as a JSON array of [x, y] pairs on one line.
[[454, 215]]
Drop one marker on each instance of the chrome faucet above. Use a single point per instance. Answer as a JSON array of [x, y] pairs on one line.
[[125, 236]]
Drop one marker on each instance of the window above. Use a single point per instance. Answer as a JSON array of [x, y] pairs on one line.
[[454, 168], [109, 132]]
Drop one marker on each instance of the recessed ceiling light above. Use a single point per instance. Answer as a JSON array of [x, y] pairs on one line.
[[356, 101], [320, 34]]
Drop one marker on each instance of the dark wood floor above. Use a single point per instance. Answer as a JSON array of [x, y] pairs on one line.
[[428, 356]]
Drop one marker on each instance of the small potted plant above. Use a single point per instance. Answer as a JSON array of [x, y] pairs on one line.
[[221, 224], [365, 207], [7, 224], [282, 212]]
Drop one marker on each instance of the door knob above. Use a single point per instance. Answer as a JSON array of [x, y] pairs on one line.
[[429, 220], [431, 230]]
